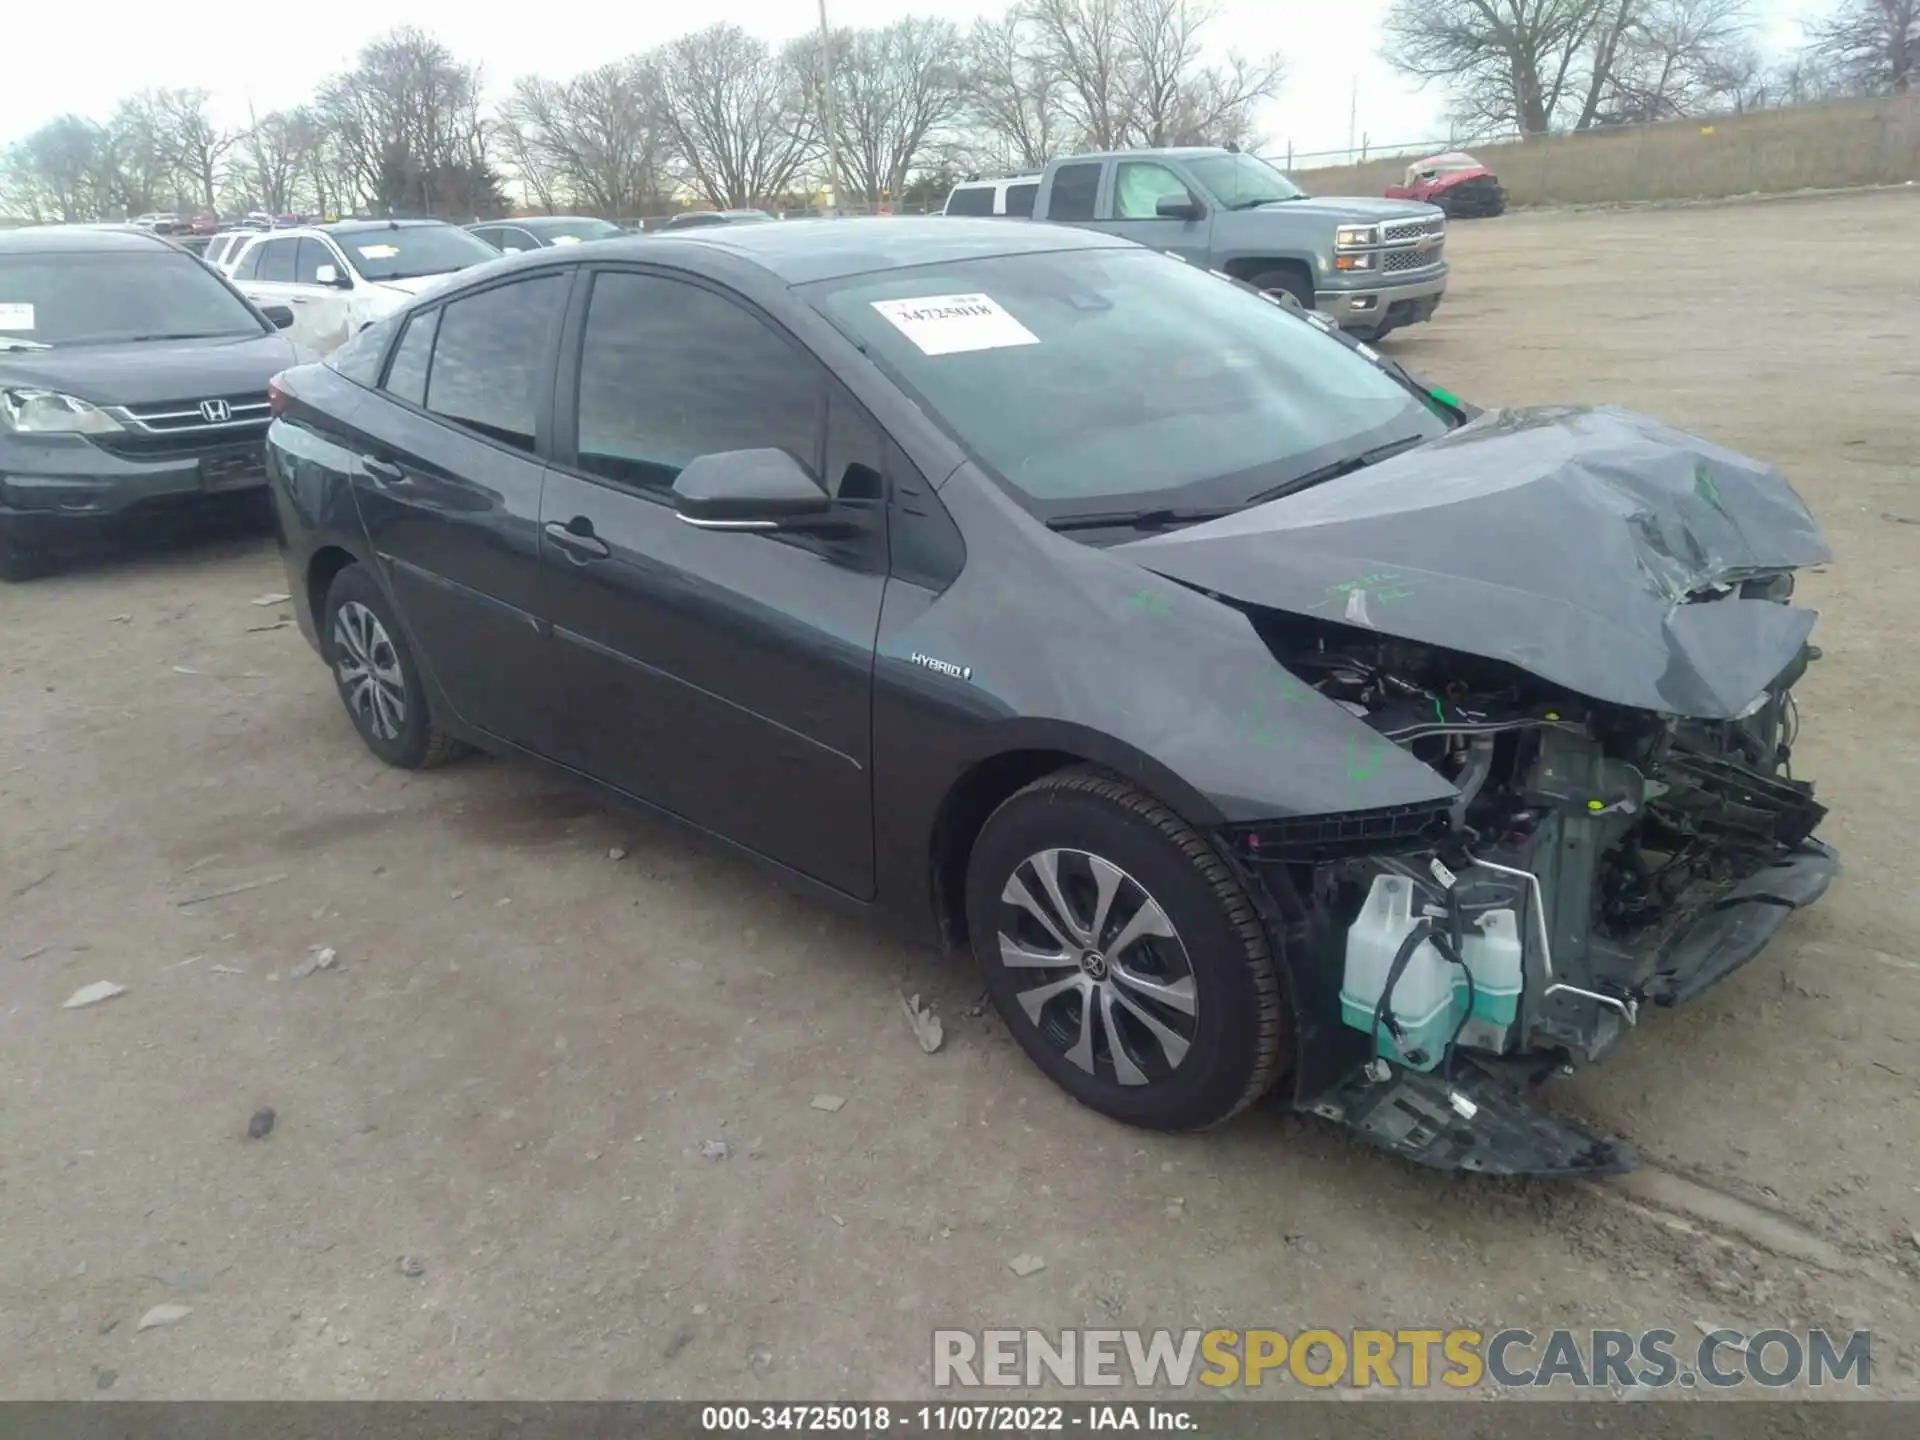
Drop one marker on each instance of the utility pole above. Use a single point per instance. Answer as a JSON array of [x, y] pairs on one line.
[[1353, 115], [826, 107]]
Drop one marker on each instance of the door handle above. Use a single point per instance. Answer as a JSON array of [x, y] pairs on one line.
[[300, 299], [381, 472], [576, 537]]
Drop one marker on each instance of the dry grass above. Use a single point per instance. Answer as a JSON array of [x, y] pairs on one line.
[[1862, 142]]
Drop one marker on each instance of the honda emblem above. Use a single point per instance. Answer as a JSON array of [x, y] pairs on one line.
[[215, 412]]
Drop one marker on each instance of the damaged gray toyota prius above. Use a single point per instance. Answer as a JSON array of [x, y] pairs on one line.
[[1259, 715]]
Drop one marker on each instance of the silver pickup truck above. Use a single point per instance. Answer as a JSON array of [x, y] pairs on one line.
[[1373, 265]]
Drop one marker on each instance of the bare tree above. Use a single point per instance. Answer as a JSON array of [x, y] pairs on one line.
[[1506, 63], [897, 92], [1872, 45], [1176, 100], [597, 141], [1018, 103], [1085, 43], [1673, 59], [736, 114], [55, 172], [406, 129], [194, 146], [272, 153]]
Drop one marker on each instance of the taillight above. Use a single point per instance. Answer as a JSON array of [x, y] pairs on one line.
[[277, 397]]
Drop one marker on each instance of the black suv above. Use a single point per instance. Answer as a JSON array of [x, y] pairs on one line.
[[132, 378]]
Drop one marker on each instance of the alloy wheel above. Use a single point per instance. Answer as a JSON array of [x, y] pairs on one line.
[[1113, 987], [368, 668]]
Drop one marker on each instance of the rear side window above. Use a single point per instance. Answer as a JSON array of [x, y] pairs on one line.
[[491, 357], [970, 200], [1020, 199], [407, 374], [249, 266], [359, 358], [1075, 187]]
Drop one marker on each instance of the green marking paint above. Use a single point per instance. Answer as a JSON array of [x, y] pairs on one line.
[[1150, 602], [1445, 397], [1707, 488]]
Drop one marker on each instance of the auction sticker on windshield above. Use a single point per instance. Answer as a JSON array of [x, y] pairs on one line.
[[951, 324], [378, 252], [15, 316]]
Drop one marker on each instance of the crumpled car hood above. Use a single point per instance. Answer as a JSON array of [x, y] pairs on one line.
[[1575, 544]]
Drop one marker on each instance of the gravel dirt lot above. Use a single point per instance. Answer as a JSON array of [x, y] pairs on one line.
[[510, 1073]]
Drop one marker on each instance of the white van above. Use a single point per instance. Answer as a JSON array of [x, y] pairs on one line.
[[1011, 196]]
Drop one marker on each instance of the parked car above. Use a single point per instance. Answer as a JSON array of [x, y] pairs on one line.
[[534, 231], [1012, 195], [1373, 265], [341, 277], [1459, 184], [223, 249], [133, 380], [1235, 695], [701, 219], [160, 222]]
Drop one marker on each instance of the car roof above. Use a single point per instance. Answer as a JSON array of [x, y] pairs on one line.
[[80, 239], [1174, 152], [361, 227], [799, 252]]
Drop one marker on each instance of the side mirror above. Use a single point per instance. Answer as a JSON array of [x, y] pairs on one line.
[[1179, 207], [330, 275], [749, 490], [278, 316]]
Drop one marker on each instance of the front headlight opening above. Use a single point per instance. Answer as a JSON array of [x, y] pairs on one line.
[[1356, 237], [48, 412]]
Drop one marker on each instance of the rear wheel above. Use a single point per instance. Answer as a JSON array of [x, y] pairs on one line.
[[1124, 955], [379, 682]]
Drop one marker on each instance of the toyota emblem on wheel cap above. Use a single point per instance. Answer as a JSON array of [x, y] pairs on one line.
[[215, 412]]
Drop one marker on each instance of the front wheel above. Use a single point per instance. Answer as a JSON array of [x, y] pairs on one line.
[[1287, 284], [1124, 954]]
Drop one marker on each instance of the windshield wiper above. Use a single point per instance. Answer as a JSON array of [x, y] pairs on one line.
[[9, 342], [1160, 517], [186, 335], [1338, 468]]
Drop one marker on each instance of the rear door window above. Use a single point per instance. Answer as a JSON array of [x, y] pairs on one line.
[[1075, 188], [249, 266], [1020, 199], [491, 358]]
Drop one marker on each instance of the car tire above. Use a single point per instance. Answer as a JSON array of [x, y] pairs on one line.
[[20, 562], [1160, 1005], [377, 678], [1286, 283]]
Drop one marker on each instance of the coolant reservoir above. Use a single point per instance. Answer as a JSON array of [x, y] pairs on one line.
[[1424, 1004], [1494, 956]]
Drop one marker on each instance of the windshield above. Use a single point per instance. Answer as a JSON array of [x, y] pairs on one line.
[[1242, 181], [100, 298], [1095, 381], [407, 252], [562, 232]]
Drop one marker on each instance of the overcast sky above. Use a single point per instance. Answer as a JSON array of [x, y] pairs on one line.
[[275, 55]]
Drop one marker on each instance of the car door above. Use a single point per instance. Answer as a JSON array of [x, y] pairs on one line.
[[725, 676], [448, 490], [321, 295], [1129, 209], [267, 274]]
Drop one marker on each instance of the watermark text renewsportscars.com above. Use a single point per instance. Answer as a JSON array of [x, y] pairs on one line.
[[1413, 1359]]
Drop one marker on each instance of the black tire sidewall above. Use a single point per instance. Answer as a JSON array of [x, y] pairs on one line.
[[1289, 281], [409, 749], [1212, 1081]]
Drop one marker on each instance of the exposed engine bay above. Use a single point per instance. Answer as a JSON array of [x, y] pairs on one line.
[[1598, 858]]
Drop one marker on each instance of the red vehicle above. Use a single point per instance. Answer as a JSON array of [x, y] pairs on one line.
[[1456, 182]]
